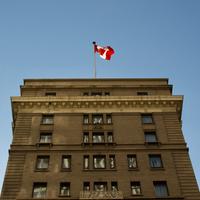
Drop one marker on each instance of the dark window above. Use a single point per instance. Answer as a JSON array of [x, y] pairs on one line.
[[42, 162], [147, 118], [85, 137], [85, 93], [107, 93], [132, 161], [39, 190], [99, 162], [155, 161], [112, 161], [50, 94], [85, 119], [114, 186], [86, 186], [45, 137], [47, 119], [136, 188], [110, 137], [98, 137], [150, 137], [65, 189], [86, 162], [142, 93], [97, 119], [100, 186], [66, 162], [109, 119], [96, 94], [161, 188]]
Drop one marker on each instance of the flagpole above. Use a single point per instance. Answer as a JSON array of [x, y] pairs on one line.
[[95, 72]]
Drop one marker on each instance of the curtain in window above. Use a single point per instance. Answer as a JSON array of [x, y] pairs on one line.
[[132, 163], [64, 190], [161, 190], [99, 162], [155, 161], [150, 137], [45, 138], [66, 163], [86, 162], [97, 119], [42, 163], [39, 192], [110, 138], [112, 162], [86, 138], [101, 187], [136, 190], [98, 138]]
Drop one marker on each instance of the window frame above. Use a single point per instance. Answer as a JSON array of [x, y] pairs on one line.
[[114, 160]]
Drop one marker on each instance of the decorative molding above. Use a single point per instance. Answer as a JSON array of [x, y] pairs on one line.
[[92, 104]]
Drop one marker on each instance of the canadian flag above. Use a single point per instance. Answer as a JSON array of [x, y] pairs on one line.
[[104, 52]]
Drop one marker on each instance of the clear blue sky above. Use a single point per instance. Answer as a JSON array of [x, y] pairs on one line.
[[51, 38]]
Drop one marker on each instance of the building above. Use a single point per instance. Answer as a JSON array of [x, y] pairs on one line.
[[98, 139]]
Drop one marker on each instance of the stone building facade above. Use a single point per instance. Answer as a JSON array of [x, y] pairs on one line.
[[98, 139]]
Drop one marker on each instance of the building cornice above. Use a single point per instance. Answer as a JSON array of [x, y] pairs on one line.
[[58, 104]]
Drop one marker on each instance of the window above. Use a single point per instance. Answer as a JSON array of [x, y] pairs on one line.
[[86, 162], [97, 119], [45, 137], [99, 162], [85, 137], [65, 189], [66, 162], [85, 93], [42, 162], [110, 137], [39, 190], [86, 186], [50, 94], [85, 119], [109, 119], [114, 186], [107, 93], [136, 188], [132, 161], [96, 94], [142, 93], [98, 137], [155, 161], [47, 119], [147, 119], [150, 137], [100, 186], [161, 188], [112, 161]]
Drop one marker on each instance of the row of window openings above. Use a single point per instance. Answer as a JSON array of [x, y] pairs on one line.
[[99, 162], [99, 137], [96, 93], [98, 119], [160, 187]]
